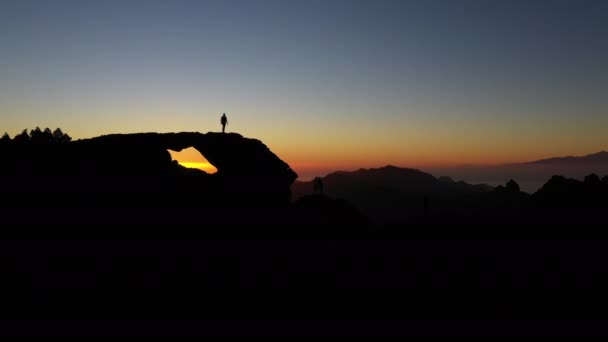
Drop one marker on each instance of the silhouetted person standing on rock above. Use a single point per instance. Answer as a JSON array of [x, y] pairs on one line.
[[224, 121], [318, 185]]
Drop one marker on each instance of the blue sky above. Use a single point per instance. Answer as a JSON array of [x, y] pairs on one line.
[[326, 84]]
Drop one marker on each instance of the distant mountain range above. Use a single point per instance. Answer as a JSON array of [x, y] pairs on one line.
[[390, 193], [530, 175], [599, 157], [391, 178]]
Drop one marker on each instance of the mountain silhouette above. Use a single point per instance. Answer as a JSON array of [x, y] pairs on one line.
[[531, 175], [393, 196], [599, 157], [580, 203], [391, 193]]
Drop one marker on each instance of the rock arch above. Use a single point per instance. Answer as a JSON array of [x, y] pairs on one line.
[[191, 158]]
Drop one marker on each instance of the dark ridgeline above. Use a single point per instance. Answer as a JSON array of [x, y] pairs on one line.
[[396, 197], [117, 180], [108, 236]]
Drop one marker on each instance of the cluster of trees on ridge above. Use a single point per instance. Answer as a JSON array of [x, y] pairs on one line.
[[36, 136]]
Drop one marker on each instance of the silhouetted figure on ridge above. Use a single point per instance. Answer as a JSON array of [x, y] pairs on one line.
[[317, 185], [224, 121]]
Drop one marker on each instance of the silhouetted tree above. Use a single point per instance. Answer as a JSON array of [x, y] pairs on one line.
[[36, 136], [66, 138], [5, 140], [57, 134], [47, 135], [605, 180], [22, 138], [512, 186], [60, 137], [592, 179]]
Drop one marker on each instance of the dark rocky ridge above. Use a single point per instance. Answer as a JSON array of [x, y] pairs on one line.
[[245, 164], [131, 178]]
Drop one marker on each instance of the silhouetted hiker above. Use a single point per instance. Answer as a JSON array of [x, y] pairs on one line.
[[317, 185], [224, 121]]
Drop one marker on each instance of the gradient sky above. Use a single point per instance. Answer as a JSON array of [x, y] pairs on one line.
[[326, 85]]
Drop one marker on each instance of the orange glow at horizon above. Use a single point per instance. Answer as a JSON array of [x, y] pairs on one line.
[[438, 156]]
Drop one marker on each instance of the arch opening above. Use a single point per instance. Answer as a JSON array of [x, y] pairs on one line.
[[192, 159]]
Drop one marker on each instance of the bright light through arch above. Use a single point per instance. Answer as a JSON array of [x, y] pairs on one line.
[[192, 158]]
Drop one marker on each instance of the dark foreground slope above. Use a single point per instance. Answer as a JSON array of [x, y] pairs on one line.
[[108, 237], [304, 288]]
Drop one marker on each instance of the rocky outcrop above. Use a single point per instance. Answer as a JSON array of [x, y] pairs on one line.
[[131, 177], [244, 161]]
